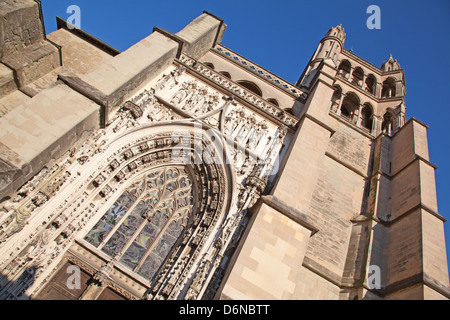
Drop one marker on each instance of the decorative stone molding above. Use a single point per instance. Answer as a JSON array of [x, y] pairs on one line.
[[66, 199], [256, 101], [259, 71]]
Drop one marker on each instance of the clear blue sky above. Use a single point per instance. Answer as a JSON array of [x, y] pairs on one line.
[[282, 35]]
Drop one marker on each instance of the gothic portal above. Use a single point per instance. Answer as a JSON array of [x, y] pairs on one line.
[[179, 169]]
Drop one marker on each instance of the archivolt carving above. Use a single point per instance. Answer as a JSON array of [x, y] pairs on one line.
[[258, 71], [137, 158], [223, 81], [195, 99], [73, 195]]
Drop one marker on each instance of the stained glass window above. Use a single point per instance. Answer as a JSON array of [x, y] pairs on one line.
[[142, 226]]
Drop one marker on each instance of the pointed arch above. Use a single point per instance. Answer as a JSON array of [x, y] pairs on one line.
[[344, 68], [336, 98], [389, 89], [209, 65], [152, 201], [358, 76], [350, 106], [273, 101], [250, 86], [226, 74], [367, 116], [370, 84], [387, 125]]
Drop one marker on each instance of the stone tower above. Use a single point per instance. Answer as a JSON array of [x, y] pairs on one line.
[[179, 169], [354, 193]]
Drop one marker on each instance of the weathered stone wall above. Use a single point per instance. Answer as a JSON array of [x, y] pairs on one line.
[[107, 81], [200, 34], [350, 147], [405, 190], [268, 265], [43, 128], [405, 249], [20, 25], [7, 83], [11, 101], [406, 244], [33, 62], [303, 165], [23, 47], [433, 247], [78, 55], [337, 197], [121, 77], [312, 286]]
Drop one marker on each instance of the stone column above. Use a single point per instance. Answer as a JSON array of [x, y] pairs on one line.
[[284, 211], [378, 87], [338, 111], [408, 238], [376, 126], [399, 88], [358, 120], [400, 117], [350, 74]]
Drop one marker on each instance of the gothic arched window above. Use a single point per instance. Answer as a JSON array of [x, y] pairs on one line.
[[209, 65], [226, 74], [388, 88], [350, 105], [367, 117], [387, 125], [273, 101], [370, 85], [251, 86], [344, 68], [358, 76], [144, 223]]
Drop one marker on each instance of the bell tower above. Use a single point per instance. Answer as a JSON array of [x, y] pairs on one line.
[[331, 45], [329, 48]]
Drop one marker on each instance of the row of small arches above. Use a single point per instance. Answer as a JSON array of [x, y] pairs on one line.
[[251, 86], [350, 106], [367, 82]]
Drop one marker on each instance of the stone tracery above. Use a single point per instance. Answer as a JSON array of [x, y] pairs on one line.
[[104, 172]]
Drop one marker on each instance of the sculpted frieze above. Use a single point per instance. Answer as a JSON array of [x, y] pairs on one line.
[[220, 138]]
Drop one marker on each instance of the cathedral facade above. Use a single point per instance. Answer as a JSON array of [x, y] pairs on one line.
[[179, 169]]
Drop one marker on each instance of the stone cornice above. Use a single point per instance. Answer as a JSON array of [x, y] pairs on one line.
[[365, 63], [290, 212], [173, 37], [235, 89], [63, 24], [258, 71]]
